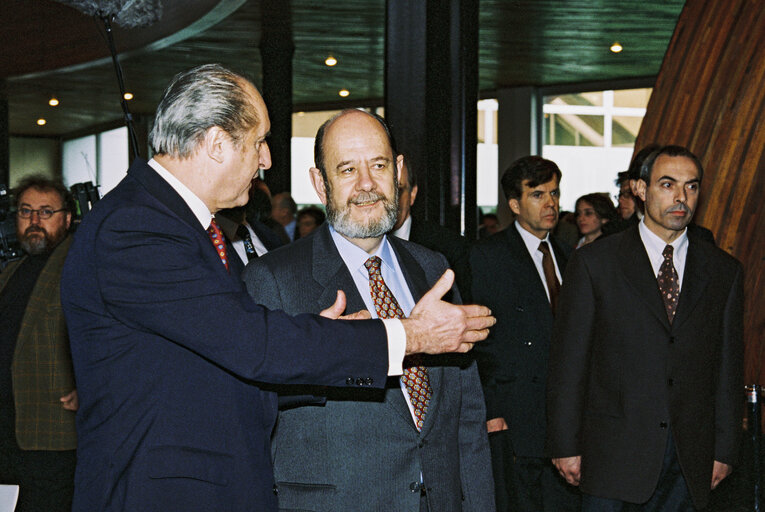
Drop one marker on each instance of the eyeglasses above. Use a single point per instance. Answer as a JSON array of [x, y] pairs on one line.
[[43, 213]]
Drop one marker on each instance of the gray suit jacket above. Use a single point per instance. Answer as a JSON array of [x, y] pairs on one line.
[[360, 450]]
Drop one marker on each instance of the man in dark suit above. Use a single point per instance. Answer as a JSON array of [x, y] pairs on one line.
[[366, 450], [37, 395], [644, 396], [431, 234], [519, 282], [249, 239], [170, 352]]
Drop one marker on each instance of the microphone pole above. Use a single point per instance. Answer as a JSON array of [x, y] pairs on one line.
[[121, 84]]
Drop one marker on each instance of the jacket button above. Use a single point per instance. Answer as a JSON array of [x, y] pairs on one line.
[[663, 424], [359, 381], [414, 486], [519, 309], [369, 381], [349, 381], [527, 343], [276, 490], [671, 339], [670, 382]]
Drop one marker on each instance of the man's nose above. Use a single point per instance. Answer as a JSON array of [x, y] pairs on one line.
[[364, 181], [264, 162], [34, 217]]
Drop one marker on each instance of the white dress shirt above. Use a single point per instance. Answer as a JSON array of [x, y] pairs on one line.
[[654, 246], [238, 245], [405, 230], [532, 245], [393, 326]]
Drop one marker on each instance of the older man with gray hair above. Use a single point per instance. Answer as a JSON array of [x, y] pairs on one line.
[[171, 356]]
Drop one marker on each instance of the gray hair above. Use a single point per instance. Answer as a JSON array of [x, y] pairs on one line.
[[195, 101]]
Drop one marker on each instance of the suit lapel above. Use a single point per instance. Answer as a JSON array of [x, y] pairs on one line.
[[639, 273], [523, 266], [695, 280], [330, 272]]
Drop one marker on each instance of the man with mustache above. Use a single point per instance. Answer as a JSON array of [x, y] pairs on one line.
[[517, 273], [644, 394], [37, 395], [419, 444]]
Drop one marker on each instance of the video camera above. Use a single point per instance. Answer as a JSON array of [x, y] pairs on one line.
[[9, 246]]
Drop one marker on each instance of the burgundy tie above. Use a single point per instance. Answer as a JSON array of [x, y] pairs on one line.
[[216, 235], [669, 283], [415, 378], [553, 285]]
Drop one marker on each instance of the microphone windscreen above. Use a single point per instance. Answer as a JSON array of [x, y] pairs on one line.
[[126, 13]]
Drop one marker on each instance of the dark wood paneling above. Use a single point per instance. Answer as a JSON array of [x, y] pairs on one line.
[[709, 97]]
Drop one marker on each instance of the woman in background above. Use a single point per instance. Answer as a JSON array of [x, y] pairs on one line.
[[592, 211]]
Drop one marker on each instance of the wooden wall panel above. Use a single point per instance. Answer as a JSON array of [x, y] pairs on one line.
[[710, 97]]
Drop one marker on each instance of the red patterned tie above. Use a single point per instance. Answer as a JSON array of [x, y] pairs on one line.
[[216, 235], [669, 283], [415, 378]]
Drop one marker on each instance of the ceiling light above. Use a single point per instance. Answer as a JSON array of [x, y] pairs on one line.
[[53, 101], [616, 47], [128, 96], [344, 92], [330, 61], [41, 121]]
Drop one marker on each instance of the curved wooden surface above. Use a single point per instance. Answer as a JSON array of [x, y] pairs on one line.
[[710, 97]]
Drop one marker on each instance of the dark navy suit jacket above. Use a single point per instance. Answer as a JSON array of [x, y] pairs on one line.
[[168, 350]]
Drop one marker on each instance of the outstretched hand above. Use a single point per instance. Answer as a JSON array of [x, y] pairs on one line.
[[436, 326], [335, 311]]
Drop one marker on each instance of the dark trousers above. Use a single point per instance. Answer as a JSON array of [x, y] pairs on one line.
[[528, 484], [45, 478], [671, 494]]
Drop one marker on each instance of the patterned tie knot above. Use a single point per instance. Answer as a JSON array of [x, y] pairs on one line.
[[373, 265], [668, 252]]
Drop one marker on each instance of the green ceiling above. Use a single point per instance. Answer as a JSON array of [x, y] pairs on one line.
[[521, 42]]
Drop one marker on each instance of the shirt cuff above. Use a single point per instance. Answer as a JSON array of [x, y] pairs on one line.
[[396, 345]]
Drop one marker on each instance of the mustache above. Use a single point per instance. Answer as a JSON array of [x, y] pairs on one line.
[[365, 197], [679, 207], [35, 229]]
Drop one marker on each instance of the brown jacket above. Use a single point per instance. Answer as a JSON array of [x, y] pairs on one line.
[[42, 365]]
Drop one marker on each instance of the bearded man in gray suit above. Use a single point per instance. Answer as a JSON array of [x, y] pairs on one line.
[[408, 447]]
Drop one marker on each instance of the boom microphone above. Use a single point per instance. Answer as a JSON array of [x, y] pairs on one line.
[[126, 13]]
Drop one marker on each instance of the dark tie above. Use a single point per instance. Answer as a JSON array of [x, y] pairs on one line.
[[669, 283], [415, 378], [548, 266], [218, 241], [244, 234]]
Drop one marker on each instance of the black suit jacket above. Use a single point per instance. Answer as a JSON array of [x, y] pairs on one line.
[[168, 350], [621, 375], [453, 246], [512, 361]]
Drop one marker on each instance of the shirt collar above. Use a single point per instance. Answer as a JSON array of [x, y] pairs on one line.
[[654, 242], [197, 206], [355, 257], [405, 230], [532, 241]]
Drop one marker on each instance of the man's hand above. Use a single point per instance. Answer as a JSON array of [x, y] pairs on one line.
[[70, 401], [496, 424], [335, 310], [719, 472], [569, 468], [435, 326]]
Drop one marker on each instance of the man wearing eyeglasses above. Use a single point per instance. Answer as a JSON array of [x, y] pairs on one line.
[[37, 390]]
